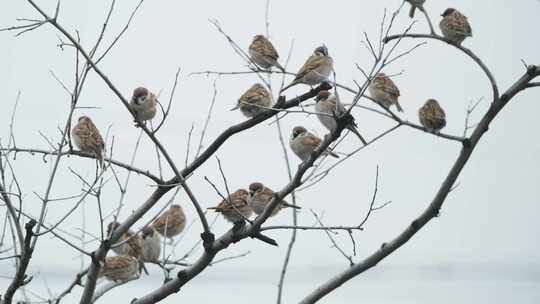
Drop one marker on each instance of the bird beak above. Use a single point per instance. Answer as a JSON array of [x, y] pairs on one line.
[[235, 107]]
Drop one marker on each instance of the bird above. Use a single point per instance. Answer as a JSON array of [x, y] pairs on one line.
[[303, 143], [455, 26], [263, 53], [254, 101], [143, 104], [235, 208], [432, 116], [260, 196], [415, 4], [315, 70], [383, 90], [131, 244], [171, 222], [87, 138], [329, 104], [119, 268], [151, 244]]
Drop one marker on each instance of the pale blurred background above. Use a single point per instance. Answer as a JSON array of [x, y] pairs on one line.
[[482, 249]]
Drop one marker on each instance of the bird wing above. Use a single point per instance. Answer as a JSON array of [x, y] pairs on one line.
[[310, 140], [311, 64]]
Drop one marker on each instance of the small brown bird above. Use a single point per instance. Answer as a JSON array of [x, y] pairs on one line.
[[260, 196], [151, 244], [87, 138], [171, 223], [254, 101], [263, 53], [119, 268], [414, 5], [432, 116], [143, 103], [383, 90], [455, 26], [303, 143], [131, 247], [329, 105], [236, 207], [317, 69]]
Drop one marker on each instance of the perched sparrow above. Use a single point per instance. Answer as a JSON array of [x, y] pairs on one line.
[[87, 138], [151, 244], [260, 196], [316, 69], [454, 26], [415, 4], [432, 116], [119, 268], [143, 103], [171, 223], [236, 207], [328, 104], [303, 143], [383, 90], [131, 247], [263, 53], [254, 101]]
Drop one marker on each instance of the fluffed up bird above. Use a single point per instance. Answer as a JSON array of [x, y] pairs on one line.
[[263, 53], [455, 26], [317, 69], [131, 247], [151, 244], [383, 90], [171, 222], [254, 101], [235, 208], [87, 138], [143, 103], [432, 116], [303, 143], [119, 268], [414, 5], [329, 106], [260, 196]]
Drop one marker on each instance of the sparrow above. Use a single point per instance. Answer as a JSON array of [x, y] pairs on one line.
[[454, 26], [143, 104], [383, 90], [415, 4], [254, 101], [132, 244], [260, 196], [151, 244], [432, 116], [236, 207], [317, 69], [303, 143], [171, 223], [263, 53], [328, 104], [87, 138], [119, 268]]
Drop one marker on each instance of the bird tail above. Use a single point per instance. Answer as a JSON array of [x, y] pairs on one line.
[[291, 206], [412, 10], [398, 106], [355, 131], [99, 157], [289, 85], [142, 267], [328, 152], [280, 67]]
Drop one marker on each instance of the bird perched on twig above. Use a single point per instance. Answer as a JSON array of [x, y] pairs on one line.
[[235, 208], [414, 5], [263, 53], [87, 138], [330, 108], [131, 244], [432, 116], [151, 244], [383, 90], [455, 26], [260, 196], [143, 103], [171, 222], [119, 268], [303, 143], [254, 101], [315, 70]]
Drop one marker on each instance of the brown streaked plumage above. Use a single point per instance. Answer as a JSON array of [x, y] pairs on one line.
[[383, 90], [263, 53], [254, 101], [236, 207], [171, 223], [455, 26], [119, 268], [303, 143], [414, 5], [260, 196], [315, 70], [87, 138], [432, 116]]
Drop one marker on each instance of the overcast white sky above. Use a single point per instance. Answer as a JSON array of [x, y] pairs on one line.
[[490, 218]]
